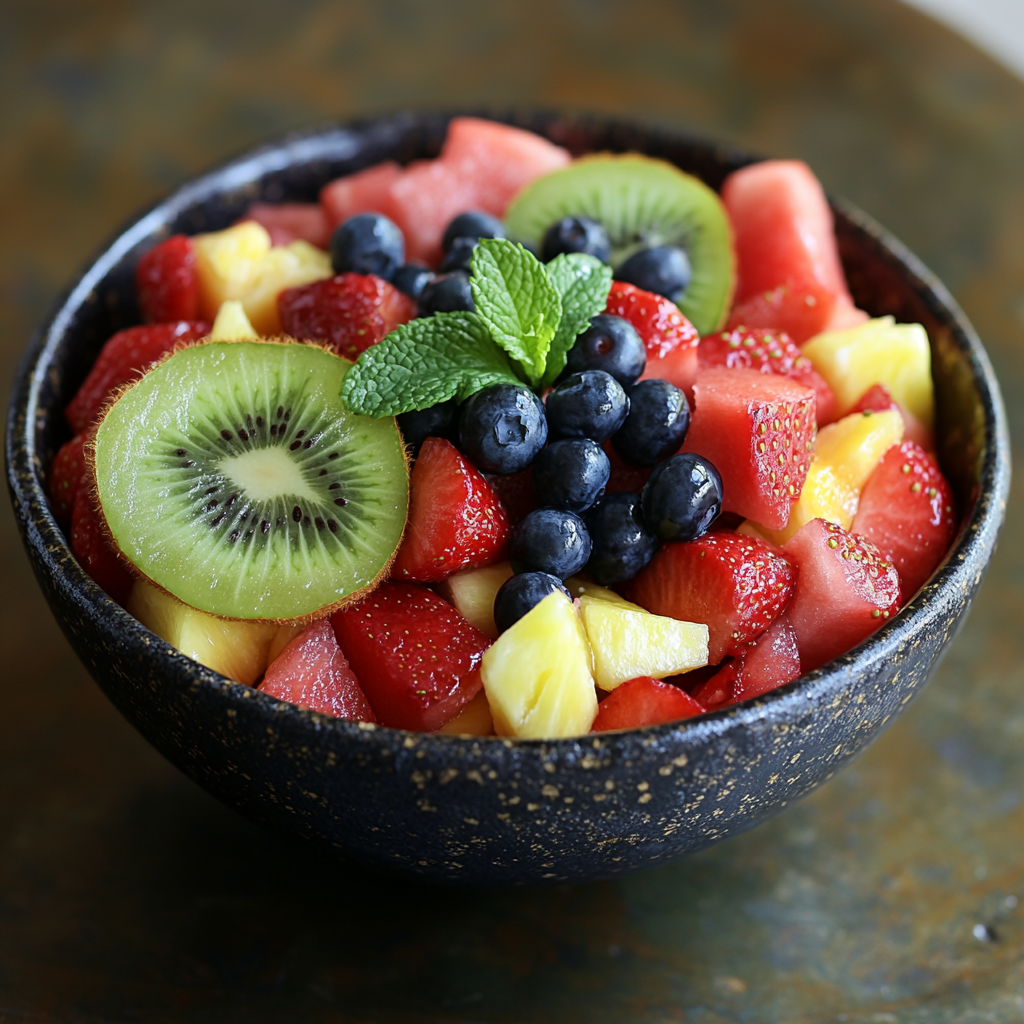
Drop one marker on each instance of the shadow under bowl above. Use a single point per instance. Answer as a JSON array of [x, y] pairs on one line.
[[500, 811]]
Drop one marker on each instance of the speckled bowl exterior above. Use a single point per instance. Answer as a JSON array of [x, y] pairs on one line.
[[499, 811]]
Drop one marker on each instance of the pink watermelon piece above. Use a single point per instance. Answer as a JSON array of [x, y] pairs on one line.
[[313, 672], [290, 222], [365, 191]]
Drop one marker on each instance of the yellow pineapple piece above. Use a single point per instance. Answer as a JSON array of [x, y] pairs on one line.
[[878, 352], [472, 592], [231, 324], [475, 719], [286, 266], [235, 649], [537, 674], [845, 455]]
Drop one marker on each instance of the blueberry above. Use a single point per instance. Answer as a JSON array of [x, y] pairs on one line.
[[502, 428], [367, 243], [518, 595], [664, 270], [571, 474], [610, 344], [458, 255], [621, 544], [474, 224], [441, 420], [411, 279], [576, 234], [682, 498], [448, 294], [549, 540], [590, 404], [656, 424]]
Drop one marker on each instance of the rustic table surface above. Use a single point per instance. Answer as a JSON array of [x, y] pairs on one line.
[[895, 893]]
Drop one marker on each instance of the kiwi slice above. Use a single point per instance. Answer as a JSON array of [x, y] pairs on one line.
[[641, 202], [232, 477]]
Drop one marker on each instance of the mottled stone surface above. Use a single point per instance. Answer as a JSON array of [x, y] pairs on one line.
[[129, 894]]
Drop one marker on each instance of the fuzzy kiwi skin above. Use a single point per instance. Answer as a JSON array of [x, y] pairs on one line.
[[92, 483]]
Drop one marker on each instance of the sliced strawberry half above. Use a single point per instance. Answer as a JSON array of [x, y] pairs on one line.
[[350, 312], [92, 549], [644, 701], [845, 590], [313, 672], [759, 348], [735, 584], [415, 656], [166, 283], [67, 472], [127, 355], [906, 509], [455, 519]]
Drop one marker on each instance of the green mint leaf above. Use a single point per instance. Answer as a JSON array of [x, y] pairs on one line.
[[424, 362], [516, 300], [583, 282]]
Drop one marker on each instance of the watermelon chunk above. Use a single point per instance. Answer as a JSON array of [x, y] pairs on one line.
[[287, 222], [367, 191], [644, 701], [758, 431]]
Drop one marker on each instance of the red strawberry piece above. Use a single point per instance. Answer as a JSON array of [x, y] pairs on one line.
[[906, 509], [845, 590], [166, 282], [416, 657], [366, 191], [878, 399], [759, 348], [515, 492], [288, 222], [758, 431], [350, 312], [770, 661], [644, 701], [624, 477], [455, 519], [124, 357], [90, 546], [67, 471], [735, 584], [313, 672]]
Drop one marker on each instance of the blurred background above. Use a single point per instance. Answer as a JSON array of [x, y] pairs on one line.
[[892, 894]]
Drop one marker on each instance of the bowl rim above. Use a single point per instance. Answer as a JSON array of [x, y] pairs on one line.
[[957, 574]]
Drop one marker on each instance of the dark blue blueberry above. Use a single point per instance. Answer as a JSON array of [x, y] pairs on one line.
[[610, 344], [474, 224], [448, 294], [441, 420], [411, 279], [367, 243], [571, 474], [621, 543], [682, 498], [519, 594], [549, 540], [590, 404], [458, 255], [664, 270], [576, 234], [502, 428], [656, 424]]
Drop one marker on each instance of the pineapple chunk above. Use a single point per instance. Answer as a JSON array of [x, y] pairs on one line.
[[472, 591], [845, 455], [474, 720], [231, 324], [287, 266], [537, 674], [878, 352], [233, 648]]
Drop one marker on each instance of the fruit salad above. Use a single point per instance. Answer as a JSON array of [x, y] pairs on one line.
[[509, 443]]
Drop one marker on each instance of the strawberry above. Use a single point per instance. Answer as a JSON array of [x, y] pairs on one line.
[[286, 222], [313, 672], [644, 701], [350, 312], [166, 281], [801, 308], [123, 358], [515, 492], [455, 519], [845, 590], [417, 658], [878, 399], [735, 584], [907, 510], [67, 471], [90, 546], [759, 348]]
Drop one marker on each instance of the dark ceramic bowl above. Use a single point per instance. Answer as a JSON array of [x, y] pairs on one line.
[[499, 811]]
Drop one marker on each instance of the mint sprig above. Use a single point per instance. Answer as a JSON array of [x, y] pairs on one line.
[[583, 283]]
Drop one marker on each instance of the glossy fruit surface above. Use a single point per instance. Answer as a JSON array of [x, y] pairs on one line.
[[621, 543], [474, 224], [576, 234], [411, 278], [472, 593], [611, 344], [662, 269], [644, 701], [67, 472], [447, 294], [571, 474], [655, 425], [502, 428], [591, 404], [521, 593], [550, 541], [166, 282], [458, 256], [682, 498], [368, 243]]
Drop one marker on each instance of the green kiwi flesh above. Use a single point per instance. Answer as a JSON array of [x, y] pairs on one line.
[[641, 202], [232, 477]]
